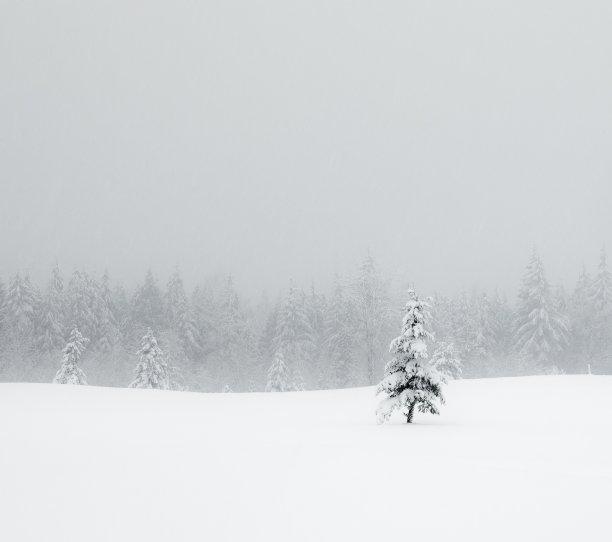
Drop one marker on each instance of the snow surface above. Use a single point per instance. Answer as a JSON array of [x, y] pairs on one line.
[[516, 459]]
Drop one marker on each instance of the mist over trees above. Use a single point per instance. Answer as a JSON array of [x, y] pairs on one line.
[[211, 338]]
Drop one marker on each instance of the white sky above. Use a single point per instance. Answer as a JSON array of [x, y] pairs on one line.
[[283, 139]]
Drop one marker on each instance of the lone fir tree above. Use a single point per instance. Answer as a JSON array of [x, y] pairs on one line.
[[70, 372], [411, 381], [152, 368]]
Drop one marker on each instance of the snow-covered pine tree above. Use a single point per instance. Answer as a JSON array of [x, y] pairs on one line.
[[503, 317], [465, 335], [70, 372], [315, 305], [267, 338], [174, 297], [152, 368], [293, 332], [412, 381], [106, 317], [340, 341], [96, 304], [180, 318], [148, 306], [446, 360], [2, 307], [50, 327], [236, 346], [485, 335], [22, 302], [541, 332], [122, 312], [561, 304], [80, 308], [581, 315], [601, 286], [372, 312], [279, 376], [442, 317], [187, 331], [601, 304], [204, 312]]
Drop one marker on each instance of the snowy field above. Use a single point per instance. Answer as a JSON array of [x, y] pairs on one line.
[[509, 459]]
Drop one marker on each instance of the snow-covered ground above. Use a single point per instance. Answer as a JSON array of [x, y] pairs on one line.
[[509, 459]]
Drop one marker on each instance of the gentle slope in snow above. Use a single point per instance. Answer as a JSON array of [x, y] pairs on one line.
[[508, 459]]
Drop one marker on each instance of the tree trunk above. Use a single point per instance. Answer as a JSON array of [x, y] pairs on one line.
[[410, 414]]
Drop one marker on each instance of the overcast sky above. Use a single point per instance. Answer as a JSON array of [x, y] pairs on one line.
[[283, 139]]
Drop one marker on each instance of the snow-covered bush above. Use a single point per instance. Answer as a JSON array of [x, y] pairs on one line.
[[70, 372], [412, 380]]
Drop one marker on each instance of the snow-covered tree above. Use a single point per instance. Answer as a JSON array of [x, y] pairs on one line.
[[280, 376], [148, 305], [284, 377], [482, 347], [372, 311], [294, 335], [174, 298], [541, 332], [297, 379], [82, 304], [340, 325], [601, 304], [446, 360], [152, 367], [467, 335], [236, 348], [122, 312], [267, 337], [107, 323], [601, 286], [293, 331], [442, 312], [412, 381], [187, 331], [480, 328], [22, 301], [180, 317], [503, 317], [581, 315], [204, 316], [2, 306], [50, 327], [70, 372], [316, 304]]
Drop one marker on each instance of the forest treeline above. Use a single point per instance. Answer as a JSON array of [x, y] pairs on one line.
[[212, 339]]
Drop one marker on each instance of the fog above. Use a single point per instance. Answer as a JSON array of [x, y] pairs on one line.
[[279, 140]]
